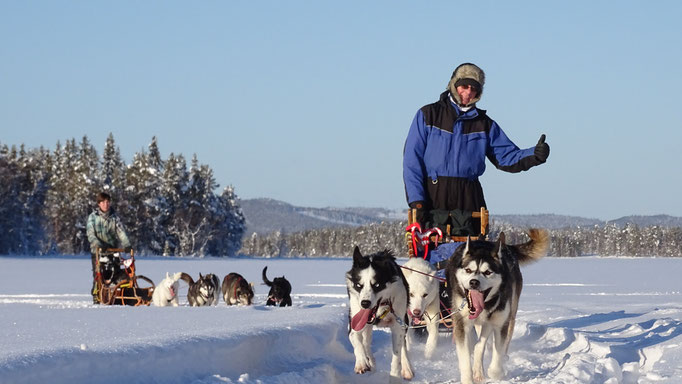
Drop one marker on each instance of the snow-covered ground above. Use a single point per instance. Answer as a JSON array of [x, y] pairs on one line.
[[586, 320]]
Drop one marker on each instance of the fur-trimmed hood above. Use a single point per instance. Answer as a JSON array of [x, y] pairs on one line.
[[467, 73]]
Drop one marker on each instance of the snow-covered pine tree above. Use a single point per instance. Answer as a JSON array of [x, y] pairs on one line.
[[33, 168], [135, 217], [229, 225], [85, 187], [145, 219], [175, 181], [112, 175], [157, 205], [10, 207], [60, 202], [195, 215]]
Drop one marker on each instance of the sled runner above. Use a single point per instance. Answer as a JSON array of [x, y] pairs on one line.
[[443, 227], [116, 282]]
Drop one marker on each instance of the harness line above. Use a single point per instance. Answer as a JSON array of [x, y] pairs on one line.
[[425, 274]]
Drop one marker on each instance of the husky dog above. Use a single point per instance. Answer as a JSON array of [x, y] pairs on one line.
[[236, 290], [378, 295], [485, 282], [166, 292], [203, 291], [424, 306], [216, 292], [280, 290]]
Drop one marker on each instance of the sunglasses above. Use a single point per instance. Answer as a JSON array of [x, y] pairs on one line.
[[467, 86]]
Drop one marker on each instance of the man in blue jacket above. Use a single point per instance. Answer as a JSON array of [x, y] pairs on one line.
[[445, 154]]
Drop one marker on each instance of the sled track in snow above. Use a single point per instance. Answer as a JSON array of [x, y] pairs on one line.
[[572, 351], [261, 354]]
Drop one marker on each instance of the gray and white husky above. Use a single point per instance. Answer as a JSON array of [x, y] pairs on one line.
[[377, 291], [424, 307], [204, 291], [166, 292], [486, 282]]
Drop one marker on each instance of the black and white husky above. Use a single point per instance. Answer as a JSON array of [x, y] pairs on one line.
[[424, 307], [204, 291], [485, 282], [378, 296]]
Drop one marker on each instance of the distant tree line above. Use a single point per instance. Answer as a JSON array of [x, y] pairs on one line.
[[608, 240], [167, 209]]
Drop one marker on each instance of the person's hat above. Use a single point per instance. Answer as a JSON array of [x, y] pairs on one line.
[[467, 74]]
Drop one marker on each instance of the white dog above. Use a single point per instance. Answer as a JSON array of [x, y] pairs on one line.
[[166, 292], [423, 308]]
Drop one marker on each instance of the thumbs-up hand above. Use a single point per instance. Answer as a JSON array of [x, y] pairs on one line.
[[542, 149]]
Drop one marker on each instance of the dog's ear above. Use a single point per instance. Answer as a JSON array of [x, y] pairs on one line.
[[466, 247], [406, 272], [357, 256], [497, 253], [167, 275]]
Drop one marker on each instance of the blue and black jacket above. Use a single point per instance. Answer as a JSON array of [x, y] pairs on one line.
[[445, 154]]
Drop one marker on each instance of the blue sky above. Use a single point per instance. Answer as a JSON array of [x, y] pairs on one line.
[[310, 102]]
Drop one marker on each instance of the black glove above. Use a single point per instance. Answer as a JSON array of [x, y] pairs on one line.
[[542, 149]]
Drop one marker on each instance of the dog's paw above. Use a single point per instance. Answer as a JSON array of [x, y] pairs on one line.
[[496, 373], [466, 379], [362, 367], [479, 377], [407, 373]]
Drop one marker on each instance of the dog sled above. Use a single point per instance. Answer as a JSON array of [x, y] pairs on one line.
[[442, 227], [116, 282]]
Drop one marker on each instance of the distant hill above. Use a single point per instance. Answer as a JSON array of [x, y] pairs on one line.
[[647, 221], [549, 221], [269, 215]]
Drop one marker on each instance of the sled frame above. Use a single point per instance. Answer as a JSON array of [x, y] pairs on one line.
[[483, 214], [127, 292]]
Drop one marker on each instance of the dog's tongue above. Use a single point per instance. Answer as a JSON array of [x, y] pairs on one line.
[[477, 302], [360, 319]]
